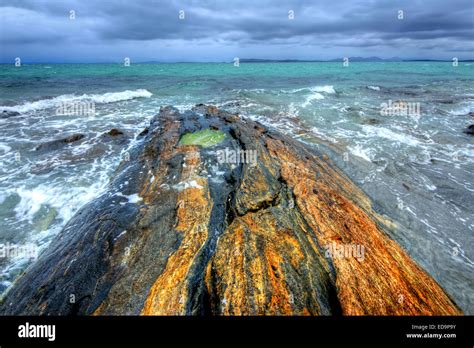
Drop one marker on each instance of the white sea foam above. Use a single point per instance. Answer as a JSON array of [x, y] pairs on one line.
[[321, 89], [374, 88], [5, 148], [52, 195], [31, 200], [359, 151], [309, 99], [390, 135], [71, 98], [323, 135], [316, 93], [463, 109]]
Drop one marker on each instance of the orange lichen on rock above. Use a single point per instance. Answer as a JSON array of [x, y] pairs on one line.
[[169, 294], [386, 281], [265, 264], [165, 152]]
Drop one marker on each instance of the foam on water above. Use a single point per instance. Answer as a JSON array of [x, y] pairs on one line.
[[359, 151], [309, 99], [323, 89], [462, 109], [105, 98], [33, 199], [390, 135], [4, 148]]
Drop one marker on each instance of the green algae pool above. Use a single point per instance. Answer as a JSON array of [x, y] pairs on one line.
[[204, 138]]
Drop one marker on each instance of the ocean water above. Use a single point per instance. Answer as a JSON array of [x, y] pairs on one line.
[[418, 167]]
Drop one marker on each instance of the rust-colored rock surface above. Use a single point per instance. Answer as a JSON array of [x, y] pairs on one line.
[[257, 224]]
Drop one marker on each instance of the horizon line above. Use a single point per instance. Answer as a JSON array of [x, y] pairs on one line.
[[252, 61]]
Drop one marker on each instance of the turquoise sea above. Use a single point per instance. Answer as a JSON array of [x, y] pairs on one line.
[[418, 167]]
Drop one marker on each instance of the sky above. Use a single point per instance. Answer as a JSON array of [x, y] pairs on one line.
[[70, 31]]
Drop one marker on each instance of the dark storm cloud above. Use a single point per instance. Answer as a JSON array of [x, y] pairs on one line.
[[150, 29]]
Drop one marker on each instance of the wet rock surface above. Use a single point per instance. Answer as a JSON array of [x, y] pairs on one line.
[[194, 230]]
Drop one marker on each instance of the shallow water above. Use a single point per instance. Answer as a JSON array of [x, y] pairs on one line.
[[418, 168]]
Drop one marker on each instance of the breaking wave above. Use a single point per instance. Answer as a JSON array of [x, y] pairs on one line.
[[105, 98]]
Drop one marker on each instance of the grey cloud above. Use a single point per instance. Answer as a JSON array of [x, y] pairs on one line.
[[243, 24]]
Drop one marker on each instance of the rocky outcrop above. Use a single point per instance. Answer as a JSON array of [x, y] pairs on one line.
[[249, 223]]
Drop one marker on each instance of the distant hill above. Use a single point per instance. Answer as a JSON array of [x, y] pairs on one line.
[[254, 60], [351, 59]]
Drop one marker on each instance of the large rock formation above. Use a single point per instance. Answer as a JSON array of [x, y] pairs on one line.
[[183, 230]]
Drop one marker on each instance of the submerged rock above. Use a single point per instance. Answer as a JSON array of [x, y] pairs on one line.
[[114, 132], [8, 114], [44, 218], [446, 101], [116, 136], [59, 143], [371, 121], [469, 130], [181, 231]]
